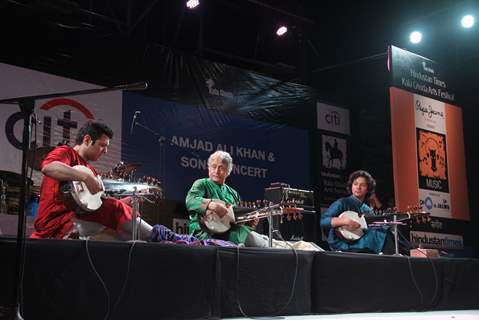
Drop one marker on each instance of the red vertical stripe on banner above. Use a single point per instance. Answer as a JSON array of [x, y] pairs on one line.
[[403, 130], [456, 163]]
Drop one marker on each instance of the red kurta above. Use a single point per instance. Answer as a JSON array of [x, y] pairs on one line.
[[54, 219]]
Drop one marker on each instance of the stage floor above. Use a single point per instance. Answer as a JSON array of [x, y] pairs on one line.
[[122, 280], [430, 315]]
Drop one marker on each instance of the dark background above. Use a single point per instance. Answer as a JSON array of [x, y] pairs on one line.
[[337, 48]]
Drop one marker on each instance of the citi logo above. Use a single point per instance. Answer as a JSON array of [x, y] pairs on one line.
[[66, 122], [426, 68], [333, 118]]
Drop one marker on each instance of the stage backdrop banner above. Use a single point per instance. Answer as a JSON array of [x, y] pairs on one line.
[[172, 142], [333, 137], [194, 81], [58, 118], [427, 142]]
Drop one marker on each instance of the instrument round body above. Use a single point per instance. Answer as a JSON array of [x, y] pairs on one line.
[[352, 235], [82, 196], [216, 224]]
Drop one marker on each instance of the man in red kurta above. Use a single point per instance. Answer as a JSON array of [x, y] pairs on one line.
[[54, 219]]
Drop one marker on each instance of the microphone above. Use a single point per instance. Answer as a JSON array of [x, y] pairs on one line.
[[133, 121], [133, 86]]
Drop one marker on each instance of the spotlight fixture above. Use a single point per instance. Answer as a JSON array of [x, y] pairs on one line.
[[415, 37], [281, 31], [467, 21], [191, 4]]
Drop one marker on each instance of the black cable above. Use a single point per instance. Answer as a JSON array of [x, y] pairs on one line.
[[295, 271], [107, 293], [123, 288], [413, 278], [436, 280], [292, 288], [238, 302]]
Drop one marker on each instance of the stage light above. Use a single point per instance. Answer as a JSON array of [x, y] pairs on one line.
[[191, 4], [467, 21], [281, 31], [415, 37]]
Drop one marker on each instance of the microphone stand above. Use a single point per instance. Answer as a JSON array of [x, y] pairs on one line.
[[27, 104], [161, 140]]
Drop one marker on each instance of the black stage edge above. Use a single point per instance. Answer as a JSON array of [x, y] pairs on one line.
[[353, 282], [174, 281]]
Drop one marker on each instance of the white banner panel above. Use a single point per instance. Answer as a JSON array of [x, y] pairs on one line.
[[430, 114], [436, 240], [332, 118], [436, 203], [334, 151], [433, 182], [58, 119]]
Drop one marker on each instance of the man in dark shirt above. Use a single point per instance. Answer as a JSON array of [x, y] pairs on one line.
[[361, 185]]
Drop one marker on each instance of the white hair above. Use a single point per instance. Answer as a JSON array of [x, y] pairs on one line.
[[225, 157]]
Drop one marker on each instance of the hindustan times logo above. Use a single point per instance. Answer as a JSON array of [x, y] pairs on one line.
[[181, 226], [426, 68], [437, 240]]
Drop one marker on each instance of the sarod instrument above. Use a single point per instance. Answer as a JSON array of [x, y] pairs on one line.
[[216, 224], [363, 220], [76, 193]]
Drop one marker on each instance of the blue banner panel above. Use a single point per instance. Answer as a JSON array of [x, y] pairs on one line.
[[172, 142]]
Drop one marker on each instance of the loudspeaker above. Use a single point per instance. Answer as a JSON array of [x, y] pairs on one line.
[[292, 229]]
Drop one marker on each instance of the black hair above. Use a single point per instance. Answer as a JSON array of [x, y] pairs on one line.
[[95, 130], [369, 179]]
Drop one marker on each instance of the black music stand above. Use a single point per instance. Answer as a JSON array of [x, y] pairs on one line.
[[394, 226], [27, 104]]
